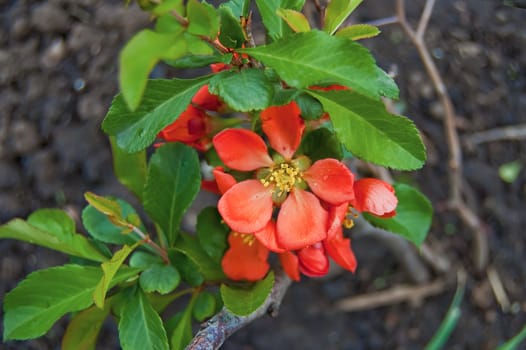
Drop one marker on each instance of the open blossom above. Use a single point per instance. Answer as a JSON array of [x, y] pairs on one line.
[[282, 181]]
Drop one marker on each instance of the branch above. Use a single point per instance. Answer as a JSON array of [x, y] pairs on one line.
[[456, 201], [216, 330]]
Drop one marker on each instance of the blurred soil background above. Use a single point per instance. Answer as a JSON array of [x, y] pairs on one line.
[[58, 69]]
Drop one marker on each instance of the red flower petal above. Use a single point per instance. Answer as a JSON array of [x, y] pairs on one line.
[[339, 249], [204, 99], [246, 207], [246, 258], [242, 149], [330, 180], [224, 181], [301, 221], [374, 196], [283, 127], [267, 237], [188, 128], [336, 216], [290, 264], [313, 261]]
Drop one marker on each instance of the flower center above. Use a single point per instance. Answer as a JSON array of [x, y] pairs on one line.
[[284, 177], [247, 238]]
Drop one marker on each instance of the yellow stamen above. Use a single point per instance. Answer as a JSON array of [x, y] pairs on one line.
[[284, 177]]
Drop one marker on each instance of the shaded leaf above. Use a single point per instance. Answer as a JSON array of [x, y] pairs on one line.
[[174, 179], [239, 8], [310, 145], [328, 60], [413, 215], [212, 233], [371, 133], [187, 268], [231, 33], [83, 329], [53, 229], [244, 301], [163, 102], [140, 326], [205, 306], [189, 246]]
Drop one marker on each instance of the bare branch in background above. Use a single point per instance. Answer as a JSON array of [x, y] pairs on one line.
[[456, 202]]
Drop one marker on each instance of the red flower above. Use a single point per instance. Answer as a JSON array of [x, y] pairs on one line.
[[248, 206], [245, 259], [374, 196]]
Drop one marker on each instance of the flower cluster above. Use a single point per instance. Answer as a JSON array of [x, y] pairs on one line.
[[289, 205]]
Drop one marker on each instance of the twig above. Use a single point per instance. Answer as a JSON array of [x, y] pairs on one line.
[[513, 132], [383, 21], [455, 155], [146, 239], [401, 248], [394, 295], [215, 331], [498, 289]]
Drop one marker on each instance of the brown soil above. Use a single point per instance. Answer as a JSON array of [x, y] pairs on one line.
[[58, 62]]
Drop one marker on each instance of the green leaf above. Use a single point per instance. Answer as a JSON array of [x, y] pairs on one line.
[[510, 171], [159, 278], [295, 19], [142, 260], [46, 295], [108, 207], [174, 179], [371, 133], [212, 233], [196, 61], [310, 145], [203, 19], [101, 228], [182, 334], [138, 58], [358, 31], [244, 91], [163, 102], [337, 12], [231, 33], [83, 329], [311, 109], [53, 229], [187, 268], [276, 27], [244, 301], [189, 246], [167, 6], [205, 306], [317, 58], [130, 168], [413, 215], [109, 270], [140, 326], [239, 8], [514, 342], [167, 23]]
